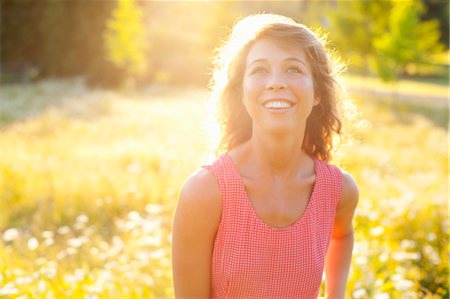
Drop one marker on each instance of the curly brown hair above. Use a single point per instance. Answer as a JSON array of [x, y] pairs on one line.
[[226, 84]]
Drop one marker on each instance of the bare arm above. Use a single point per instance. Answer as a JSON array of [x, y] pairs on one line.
[[338, 260], [195, 225]]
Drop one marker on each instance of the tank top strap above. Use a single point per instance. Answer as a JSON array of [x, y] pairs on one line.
[[331, 183], [228, 181]]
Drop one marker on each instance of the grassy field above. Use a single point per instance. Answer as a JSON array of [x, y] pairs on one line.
[[90, 178]]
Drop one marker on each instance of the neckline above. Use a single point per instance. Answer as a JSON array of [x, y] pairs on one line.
[[299, 219]]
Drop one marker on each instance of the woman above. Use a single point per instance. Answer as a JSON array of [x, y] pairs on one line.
[[270, 214]]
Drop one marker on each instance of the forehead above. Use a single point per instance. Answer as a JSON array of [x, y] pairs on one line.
[[274, 49]]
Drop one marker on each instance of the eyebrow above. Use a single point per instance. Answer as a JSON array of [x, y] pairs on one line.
[[287, 59]]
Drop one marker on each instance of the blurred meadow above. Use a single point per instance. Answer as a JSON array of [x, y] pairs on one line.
[[99, 129]]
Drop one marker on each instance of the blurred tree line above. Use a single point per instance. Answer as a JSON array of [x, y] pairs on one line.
[[391, 38], [113, 43]]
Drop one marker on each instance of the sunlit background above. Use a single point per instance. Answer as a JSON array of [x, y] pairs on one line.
[[104, 113]]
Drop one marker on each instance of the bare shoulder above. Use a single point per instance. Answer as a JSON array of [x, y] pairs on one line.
[[200, 196], [349, 195], [343, 224], [196, 221]]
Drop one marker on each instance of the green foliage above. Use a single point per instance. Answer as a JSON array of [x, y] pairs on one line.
[[125, 39], [407, 40], [354, 25], [385, 37]]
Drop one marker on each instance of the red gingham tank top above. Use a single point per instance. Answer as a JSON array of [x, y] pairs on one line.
[[252, 259]]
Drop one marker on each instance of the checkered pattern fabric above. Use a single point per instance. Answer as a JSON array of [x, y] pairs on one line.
[[252, 259]]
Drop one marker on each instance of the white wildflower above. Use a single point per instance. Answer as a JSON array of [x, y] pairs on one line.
[[47, 234], [32, 244], [153, 209], [71, 251], [403, 284], [42, 286], [361, 260], [157, 254], [134, 216], [360, 293], [407, 244], [377, 231], [382, 296], [23, 280], [431, 237], [83, 218], [8, 289], [49, 242], [63, 230], [10, 234]]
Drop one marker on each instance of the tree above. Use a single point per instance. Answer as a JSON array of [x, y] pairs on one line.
[[125, 39], [407, 40], [353, 27]]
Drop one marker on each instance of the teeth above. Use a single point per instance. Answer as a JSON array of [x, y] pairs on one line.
[[277, 104]]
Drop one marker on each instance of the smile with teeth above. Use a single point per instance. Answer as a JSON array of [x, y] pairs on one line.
[[278, 104]]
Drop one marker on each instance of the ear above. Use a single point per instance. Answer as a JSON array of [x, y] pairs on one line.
[[316, 101]]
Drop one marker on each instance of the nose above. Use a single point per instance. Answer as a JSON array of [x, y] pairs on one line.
[[276, 82]]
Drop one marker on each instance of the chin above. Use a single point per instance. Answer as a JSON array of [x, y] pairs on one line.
[[282, 130]]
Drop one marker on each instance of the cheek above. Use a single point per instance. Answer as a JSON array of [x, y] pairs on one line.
[[252, 87], [304, 86]]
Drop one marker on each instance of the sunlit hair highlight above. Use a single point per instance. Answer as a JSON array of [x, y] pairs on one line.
[[229, 68]]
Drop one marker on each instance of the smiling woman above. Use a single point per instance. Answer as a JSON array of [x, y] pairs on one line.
[[270, 214], [278, 87]]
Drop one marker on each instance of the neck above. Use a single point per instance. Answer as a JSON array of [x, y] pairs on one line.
[[279, 155]]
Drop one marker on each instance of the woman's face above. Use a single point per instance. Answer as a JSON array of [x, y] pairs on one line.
[[278, 87]]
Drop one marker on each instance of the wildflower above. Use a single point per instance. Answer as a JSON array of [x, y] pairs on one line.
[[32, 243], [71, 251], [134, 216], [83, 218], [46, 234], [377, 231], [63, 230], [360, 293], [407, 244], [23, 280], [48, 272], [49, 242], [361, 260], [77, 242], [79, 273], [431, 237], [10, 234], [382, 296], [402, 256], [8, 289], [157, 254], [384, 257], [42, 286], [151, 241], [432, 254], [400, 283], [153, 208]]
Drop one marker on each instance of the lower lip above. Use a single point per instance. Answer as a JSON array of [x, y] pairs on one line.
[[278, 110]]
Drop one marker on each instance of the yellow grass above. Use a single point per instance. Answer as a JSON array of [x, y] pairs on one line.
[[432, 93], [89, 181]]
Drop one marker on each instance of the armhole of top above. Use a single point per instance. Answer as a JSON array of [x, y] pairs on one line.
[[339, 183], [214, 169]]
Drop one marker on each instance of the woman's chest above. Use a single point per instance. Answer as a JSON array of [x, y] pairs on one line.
[[282, 205]]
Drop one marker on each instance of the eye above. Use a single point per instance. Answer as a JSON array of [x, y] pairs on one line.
[[258, 70], [294, 69]]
